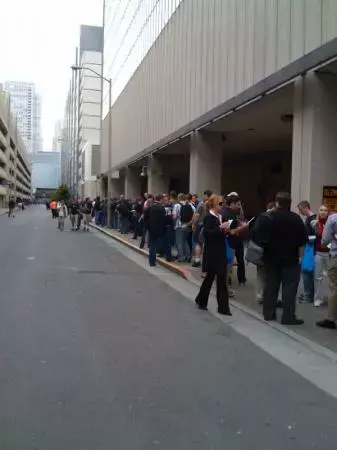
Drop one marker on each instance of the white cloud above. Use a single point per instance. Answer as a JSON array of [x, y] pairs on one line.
[[38, 40]]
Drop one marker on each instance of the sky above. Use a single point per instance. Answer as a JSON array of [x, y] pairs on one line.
[[38, 41]]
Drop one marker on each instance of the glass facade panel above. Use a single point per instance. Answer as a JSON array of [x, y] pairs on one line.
[[131, 28]]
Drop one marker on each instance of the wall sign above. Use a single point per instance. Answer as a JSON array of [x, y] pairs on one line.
[[330, 197]]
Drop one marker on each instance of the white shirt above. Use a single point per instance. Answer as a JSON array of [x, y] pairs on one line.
[[218, 216]]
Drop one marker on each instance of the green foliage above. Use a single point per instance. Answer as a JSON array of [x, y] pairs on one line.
[[61, 193]]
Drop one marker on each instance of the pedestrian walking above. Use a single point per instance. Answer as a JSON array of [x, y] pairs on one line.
[[62, 214], [11, 207], [214, 261], [74, 210]]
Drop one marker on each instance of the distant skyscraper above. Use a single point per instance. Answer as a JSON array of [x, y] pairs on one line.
[[57, 139], [26, 107]]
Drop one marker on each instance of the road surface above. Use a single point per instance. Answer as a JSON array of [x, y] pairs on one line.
[[98, 353]]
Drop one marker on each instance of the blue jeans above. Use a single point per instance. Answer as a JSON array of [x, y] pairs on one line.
[[308, 286], [98, 217], [124, 223], [182, 245]]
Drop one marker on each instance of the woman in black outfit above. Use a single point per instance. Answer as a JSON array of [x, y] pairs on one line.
[[214, 262]]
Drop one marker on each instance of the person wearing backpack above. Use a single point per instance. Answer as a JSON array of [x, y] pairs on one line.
[[182, 216]]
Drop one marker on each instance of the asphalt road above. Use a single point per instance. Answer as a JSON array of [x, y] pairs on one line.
[[97, 353]]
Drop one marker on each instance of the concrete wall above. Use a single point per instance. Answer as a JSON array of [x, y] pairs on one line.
[[208, 52], [314, 162]]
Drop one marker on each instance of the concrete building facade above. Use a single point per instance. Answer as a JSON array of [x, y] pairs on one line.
[[80, 149], [26, 107], [230, 95], [15, 169]]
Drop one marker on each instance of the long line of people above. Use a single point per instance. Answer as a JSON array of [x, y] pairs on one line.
[[176, 227]]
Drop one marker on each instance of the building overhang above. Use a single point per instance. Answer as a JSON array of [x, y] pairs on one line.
[[312, 61]]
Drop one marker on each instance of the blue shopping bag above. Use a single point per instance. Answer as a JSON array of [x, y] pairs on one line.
[[308, 260], [229, 253]]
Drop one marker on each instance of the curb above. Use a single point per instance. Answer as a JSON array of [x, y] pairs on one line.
[[183, 273]]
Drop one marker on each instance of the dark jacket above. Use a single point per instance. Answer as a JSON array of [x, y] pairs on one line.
[[281, 233], [155, 220], [215, 257]]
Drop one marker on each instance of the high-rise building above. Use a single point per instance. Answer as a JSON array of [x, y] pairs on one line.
[[26, 107], [57, 139], [80, 148]]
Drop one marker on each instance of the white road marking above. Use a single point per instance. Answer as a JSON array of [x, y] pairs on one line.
[[312, 361], [31, 258]]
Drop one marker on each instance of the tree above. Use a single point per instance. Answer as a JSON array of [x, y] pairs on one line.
[[61, 193]]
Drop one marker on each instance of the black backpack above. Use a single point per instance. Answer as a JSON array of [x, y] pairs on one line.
[[186, 213]]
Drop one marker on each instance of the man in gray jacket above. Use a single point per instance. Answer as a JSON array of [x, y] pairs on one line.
[[329, 238]]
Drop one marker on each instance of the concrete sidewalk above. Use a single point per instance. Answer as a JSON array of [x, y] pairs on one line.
[[3, 211], [245, 296]]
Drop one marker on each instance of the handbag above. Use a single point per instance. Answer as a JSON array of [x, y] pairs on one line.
[[308, 260], [254, 254], [229, 253]]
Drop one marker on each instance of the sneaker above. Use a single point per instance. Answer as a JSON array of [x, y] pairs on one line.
[[326, 323], [196, 264], [318, 302]]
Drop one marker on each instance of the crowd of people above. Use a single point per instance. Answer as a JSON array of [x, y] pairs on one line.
[[78, 211], [213, 232]]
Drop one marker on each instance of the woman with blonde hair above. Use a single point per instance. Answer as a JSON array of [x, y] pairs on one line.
[[214, 262], [321, 252]]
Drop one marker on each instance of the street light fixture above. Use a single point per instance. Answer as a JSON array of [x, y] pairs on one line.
[[109, 81]]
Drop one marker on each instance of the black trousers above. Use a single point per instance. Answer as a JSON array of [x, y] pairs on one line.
[[289, 278], [240, 259], [221, 290]]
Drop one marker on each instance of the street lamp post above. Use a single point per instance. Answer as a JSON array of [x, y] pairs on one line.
[[109, 81]]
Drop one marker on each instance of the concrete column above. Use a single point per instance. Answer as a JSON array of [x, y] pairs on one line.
[[117, 186], [205, 162], [132, 183], [157, 181], [314, 154]]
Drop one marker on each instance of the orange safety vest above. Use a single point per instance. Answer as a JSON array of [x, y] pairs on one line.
[[53, 205]]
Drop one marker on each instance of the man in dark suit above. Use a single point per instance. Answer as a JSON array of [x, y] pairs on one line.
[[282, 235], [155, 221]]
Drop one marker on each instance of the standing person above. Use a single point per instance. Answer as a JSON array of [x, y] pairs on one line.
[[62, 214], [74, 209], [282, 235], [11, 207], [182, 216], [230, 212], [137, 214], [169, 230], [308, 277], [322, 257], [214, 261], [124, 211], [197, 226], [329, 238], [86, 210], [155, 220], [148, 202], [97, 210], [189, 228]]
